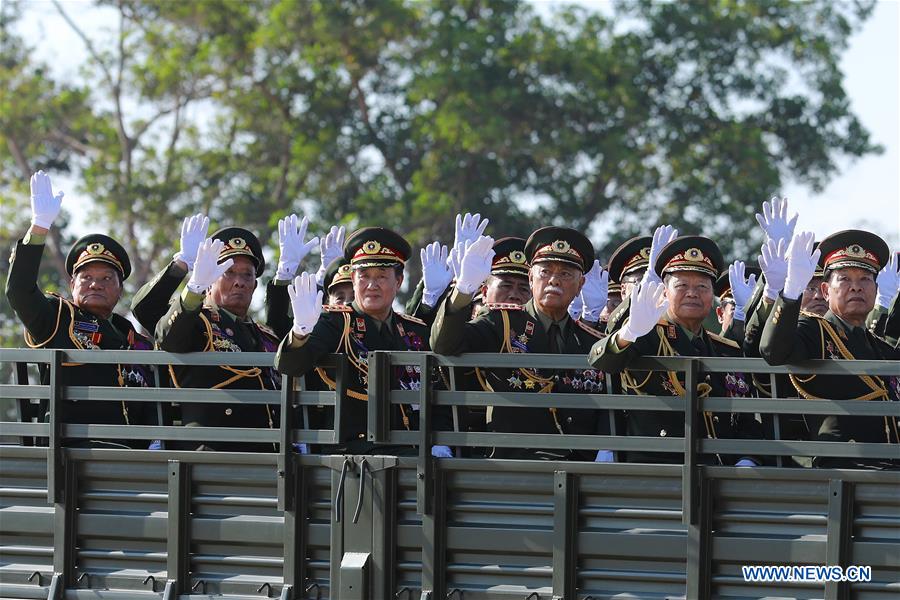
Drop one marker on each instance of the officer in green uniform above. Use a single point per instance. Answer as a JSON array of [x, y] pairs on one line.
[[884, 320], [850, 259], [98, 266], [730, 311], [666, 319], [377, 257], [627, 265], [558, 258], [211, 315], [338, 283]]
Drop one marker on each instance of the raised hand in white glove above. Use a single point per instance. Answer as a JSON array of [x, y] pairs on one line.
[[648, 304], [801, 264], [435, 273], [306, 304], [594, 293], [193, 232], [44, 205], [475, 265], [468, 228], [773, 263], [575, 307], [741, 289], [331, 248], [774, 221], [206, 267], [888, 281], [291, 247], [662, 236]]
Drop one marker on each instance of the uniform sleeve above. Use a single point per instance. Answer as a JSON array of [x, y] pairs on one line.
[[787, 339], [453, 333], [753, 328], [179, 329], [37, 312], [735, 331], [618, 316], [278, 308], [606, 356], [152, 301], [299, 360]]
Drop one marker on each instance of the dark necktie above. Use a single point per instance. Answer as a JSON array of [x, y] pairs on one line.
[[554, 335], [697, 342]]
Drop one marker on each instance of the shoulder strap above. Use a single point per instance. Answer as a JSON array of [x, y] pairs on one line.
[[597, 334], [722, 340], [412, 319]]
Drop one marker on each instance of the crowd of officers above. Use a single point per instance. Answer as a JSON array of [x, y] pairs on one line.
[[832, 299]]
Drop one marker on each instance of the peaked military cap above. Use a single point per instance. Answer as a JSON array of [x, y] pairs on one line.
[[853, 248], [560, 244], [338, 272], [241, 242], [376, 247], [820, 271], [722, 287], [96, 247], [633, 255], [509, 257], [690, 253]]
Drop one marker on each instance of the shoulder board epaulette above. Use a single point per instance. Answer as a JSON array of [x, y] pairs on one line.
[[412, 319], [809, 315], [503, 306], [266, 329], [337, 308], [597, 334], [722, 340]]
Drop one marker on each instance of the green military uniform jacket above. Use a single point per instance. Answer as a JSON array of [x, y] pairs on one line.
[[670, 339], [510, 328], [54, 322], [791, 336], [885, 322], [350, 331], [206, 329]]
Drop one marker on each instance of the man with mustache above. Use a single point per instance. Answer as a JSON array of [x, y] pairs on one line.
[[850, 260], [559, 258], [98, 267], [667, 319]]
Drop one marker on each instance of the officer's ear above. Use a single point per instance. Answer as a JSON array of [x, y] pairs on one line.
[[719, 314]]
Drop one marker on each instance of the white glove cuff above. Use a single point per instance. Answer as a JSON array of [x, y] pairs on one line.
[[466, 288], [883, 300], [792, 292], [184, 258], [430, 298], [625, 334], [591, 315], [301, 330], [45, 221], [196, 288], [770, 292], [286, 271]]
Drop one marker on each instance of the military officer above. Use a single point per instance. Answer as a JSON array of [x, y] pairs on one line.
[[559, 258], [666, 319], [613, 301], [733, 291], [338, 282], [98, 266], [850, 260], [884, 321], [377, 257], [212, 315]]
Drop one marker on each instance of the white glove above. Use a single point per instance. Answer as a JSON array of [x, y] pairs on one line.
[[648, 303], [206, 267], [475, 265], [454, 258], [774, 221], [888, 281], [441, 452], [594, 293], [746, 462], [331, 248], [773, 263], [741, 289], [193, 232], [435, 272], [468, 228], [801, 261], [662, 236], [575, 307], [44, 205], [306, 304], [604, 456], [291, 248]]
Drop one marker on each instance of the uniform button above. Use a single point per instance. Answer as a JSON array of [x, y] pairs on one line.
[[662, 433], [568, 419], [228, 411], [361, 436], [852, 441]]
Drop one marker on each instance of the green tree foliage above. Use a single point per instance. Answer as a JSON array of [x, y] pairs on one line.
[[402, 113]]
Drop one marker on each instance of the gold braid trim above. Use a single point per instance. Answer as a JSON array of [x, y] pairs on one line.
[[29, 340], [879, 390]]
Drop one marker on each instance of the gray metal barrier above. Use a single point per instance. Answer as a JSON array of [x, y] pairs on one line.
[[117, 524]]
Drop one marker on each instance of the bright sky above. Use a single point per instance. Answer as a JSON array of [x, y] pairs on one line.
[[866, 194]]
